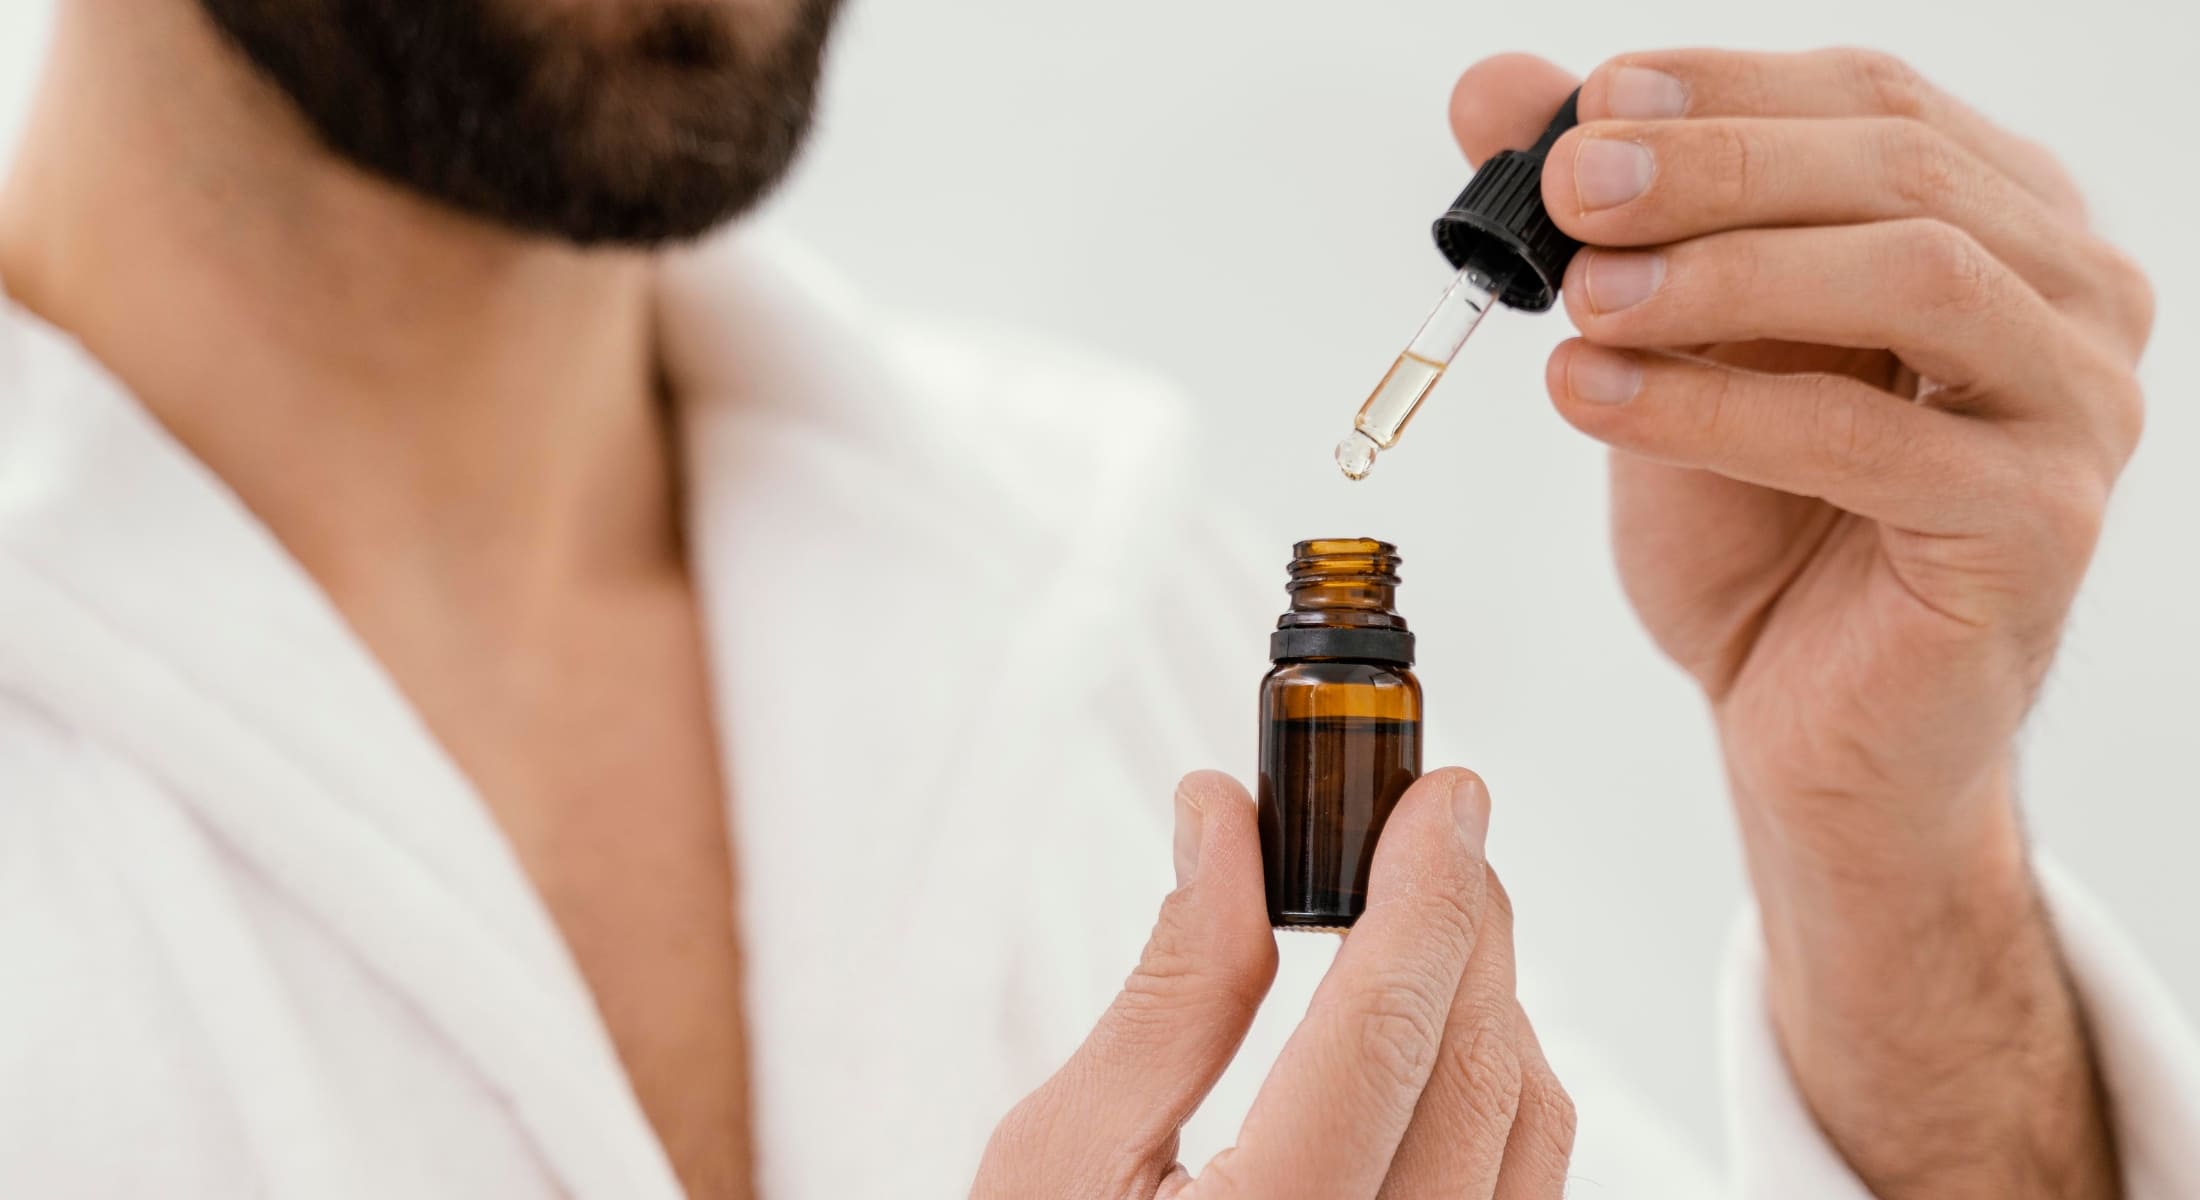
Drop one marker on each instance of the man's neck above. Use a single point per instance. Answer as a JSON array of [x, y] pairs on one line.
[[410, 399]]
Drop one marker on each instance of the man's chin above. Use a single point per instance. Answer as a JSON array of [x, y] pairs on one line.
[[632, 124]]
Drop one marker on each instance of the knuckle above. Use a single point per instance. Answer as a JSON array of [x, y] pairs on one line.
[[1847, 445], [1755, 80], [1925, 169], [2074, 522], [1555, 1120], [2106, 404], [1736, 163], [1172, 948], [1887, 83], [1454, 904], [1399, 1035], [1727, 269], [1490, 1077], [2070, 500], [1150, 1005], [2046, 172], [1168, 971], [1719, 399], [1948, 270], [1180, 973], [2123, 408], [2127, 281]]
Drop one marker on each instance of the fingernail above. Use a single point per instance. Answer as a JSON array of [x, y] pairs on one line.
[[1620, 279], [1609, 172], [1641, 94], [1470, 811], [1189, 824], [1599, 376]]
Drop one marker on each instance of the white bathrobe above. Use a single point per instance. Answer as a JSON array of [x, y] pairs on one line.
[[258, 936]]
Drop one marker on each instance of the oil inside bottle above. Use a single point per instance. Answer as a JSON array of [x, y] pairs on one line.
[[1345, 774]]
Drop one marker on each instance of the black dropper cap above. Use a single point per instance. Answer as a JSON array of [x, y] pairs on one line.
[[1498, 226]]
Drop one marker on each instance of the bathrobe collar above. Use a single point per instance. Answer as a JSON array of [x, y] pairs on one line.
[[145, 604]]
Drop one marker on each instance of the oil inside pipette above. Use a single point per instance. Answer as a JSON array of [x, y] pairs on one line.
[[1388, 408], [1416, 371]]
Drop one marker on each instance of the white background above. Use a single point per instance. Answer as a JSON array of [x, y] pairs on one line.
[[1237, 195]]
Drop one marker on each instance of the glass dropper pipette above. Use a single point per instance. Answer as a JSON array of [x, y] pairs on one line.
[[1417, 369], [1506, 249]]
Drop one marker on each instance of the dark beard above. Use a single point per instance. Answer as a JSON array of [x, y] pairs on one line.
[[656, 131]]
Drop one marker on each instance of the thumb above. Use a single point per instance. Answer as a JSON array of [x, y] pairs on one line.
[[1108, 1120], [1503, 103]]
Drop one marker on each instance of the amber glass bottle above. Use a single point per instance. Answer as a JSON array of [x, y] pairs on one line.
[[1340, 730]]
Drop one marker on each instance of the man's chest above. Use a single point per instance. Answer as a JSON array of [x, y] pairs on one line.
[[601, 768]]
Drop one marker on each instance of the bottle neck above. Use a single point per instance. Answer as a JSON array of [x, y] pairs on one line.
[[1343, 593], [1343, 583]]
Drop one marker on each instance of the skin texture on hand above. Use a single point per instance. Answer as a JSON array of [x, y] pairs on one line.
[[1869, 380], [1415, 1074]]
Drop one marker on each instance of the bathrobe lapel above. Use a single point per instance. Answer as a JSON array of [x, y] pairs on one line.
[[862, 706], [172, 627], [852, 674]]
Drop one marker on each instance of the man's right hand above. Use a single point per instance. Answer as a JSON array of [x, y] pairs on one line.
[[1870, 378], [1414, 1073]]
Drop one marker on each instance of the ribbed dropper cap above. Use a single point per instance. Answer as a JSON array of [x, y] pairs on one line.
[[1499, 228]]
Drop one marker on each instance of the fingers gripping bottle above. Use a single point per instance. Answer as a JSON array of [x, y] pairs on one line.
[[1340, 731]]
